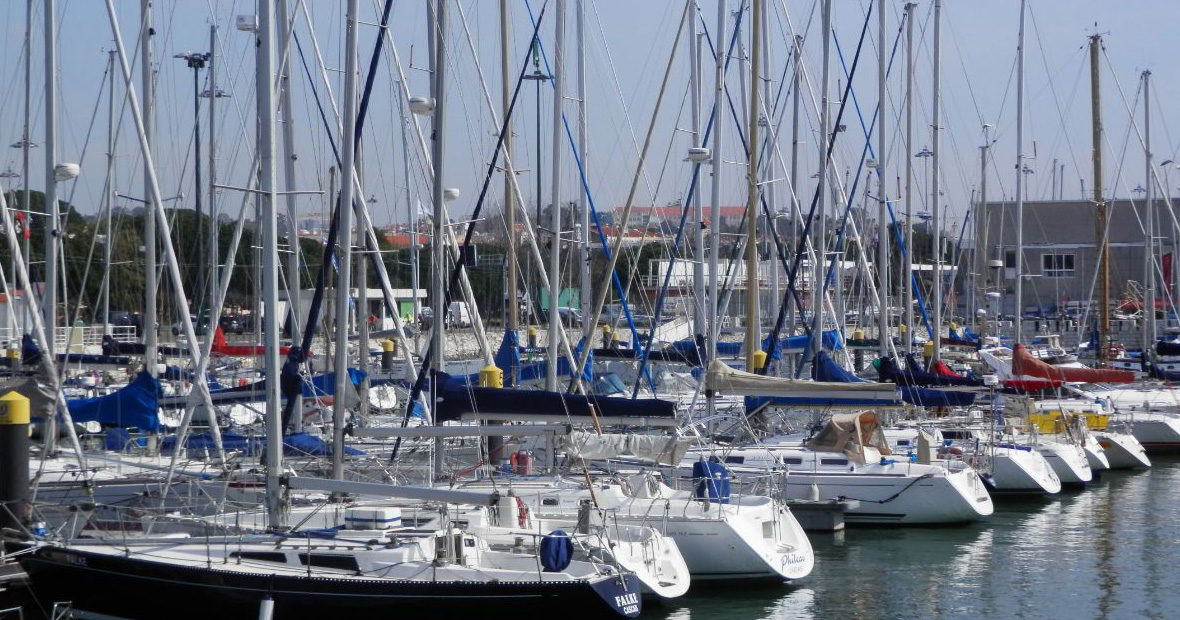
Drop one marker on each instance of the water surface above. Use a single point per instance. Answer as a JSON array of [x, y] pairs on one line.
[[1108, 551]]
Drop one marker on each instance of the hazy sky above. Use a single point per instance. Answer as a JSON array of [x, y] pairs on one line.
[[627, 48]]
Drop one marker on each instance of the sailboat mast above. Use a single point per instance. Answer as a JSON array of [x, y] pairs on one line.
[[512, 312], [1149, 221], [588, 322], [344, 226], [795, 188], [714, 327], [109, 197], [936, 206], [270, 268], [150, 328], [753, 329], [699, 317], [52, 221], [214, 226], [555, 200], [1019, 311], [882, 205], [770, 174], [26, 323], [817, 277], [980, 278], [292, 282], [908, 276], [1100, 207], [438, 260]]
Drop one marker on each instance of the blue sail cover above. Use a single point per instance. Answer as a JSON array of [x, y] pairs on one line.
[[458, 398], [926, 397], [831, 342], [508, 357], [826, 369], [889, 372], [134, 405]]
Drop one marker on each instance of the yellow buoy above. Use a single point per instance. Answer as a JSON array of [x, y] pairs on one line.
[[759, 359], [491, 376], [388, 346], [858, 334], [928, 349], [14, 408]]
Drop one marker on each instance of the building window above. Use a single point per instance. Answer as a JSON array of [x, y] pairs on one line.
[[1057, 265], [1010, 259]]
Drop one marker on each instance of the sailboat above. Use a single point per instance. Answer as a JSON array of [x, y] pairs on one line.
[[359, 570], [850, 458]]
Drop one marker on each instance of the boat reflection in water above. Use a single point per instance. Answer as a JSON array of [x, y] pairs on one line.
[[1028, 559]]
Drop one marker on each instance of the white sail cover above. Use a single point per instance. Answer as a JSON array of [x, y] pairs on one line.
[[723, 379], [667, 449]]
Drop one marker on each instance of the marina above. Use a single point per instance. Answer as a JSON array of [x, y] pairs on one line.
[[696, 309]]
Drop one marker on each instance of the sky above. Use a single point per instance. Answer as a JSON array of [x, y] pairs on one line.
[[628, 46]]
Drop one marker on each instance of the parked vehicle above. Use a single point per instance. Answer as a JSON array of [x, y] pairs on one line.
[[200, 326], [123, 318], [232, 324], [426, 318], [459, 315]]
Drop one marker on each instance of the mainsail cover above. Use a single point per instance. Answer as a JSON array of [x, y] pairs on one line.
[[134, 405], [666, 449], [889, 371], [826, 368], [726, 380], [1023, 363], [222, 347], [457, 399]]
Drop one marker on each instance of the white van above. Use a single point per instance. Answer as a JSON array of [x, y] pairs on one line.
[[459, 315]]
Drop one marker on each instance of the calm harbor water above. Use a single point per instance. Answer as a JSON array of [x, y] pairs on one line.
[[1109, 551]]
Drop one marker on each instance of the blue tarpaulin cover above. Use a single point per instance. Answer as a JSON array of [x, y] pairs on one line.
[[134, 405], [826, 369]]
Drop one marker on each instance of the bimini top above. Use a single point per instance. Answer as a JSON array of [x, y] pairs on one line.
[[850, 433]]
